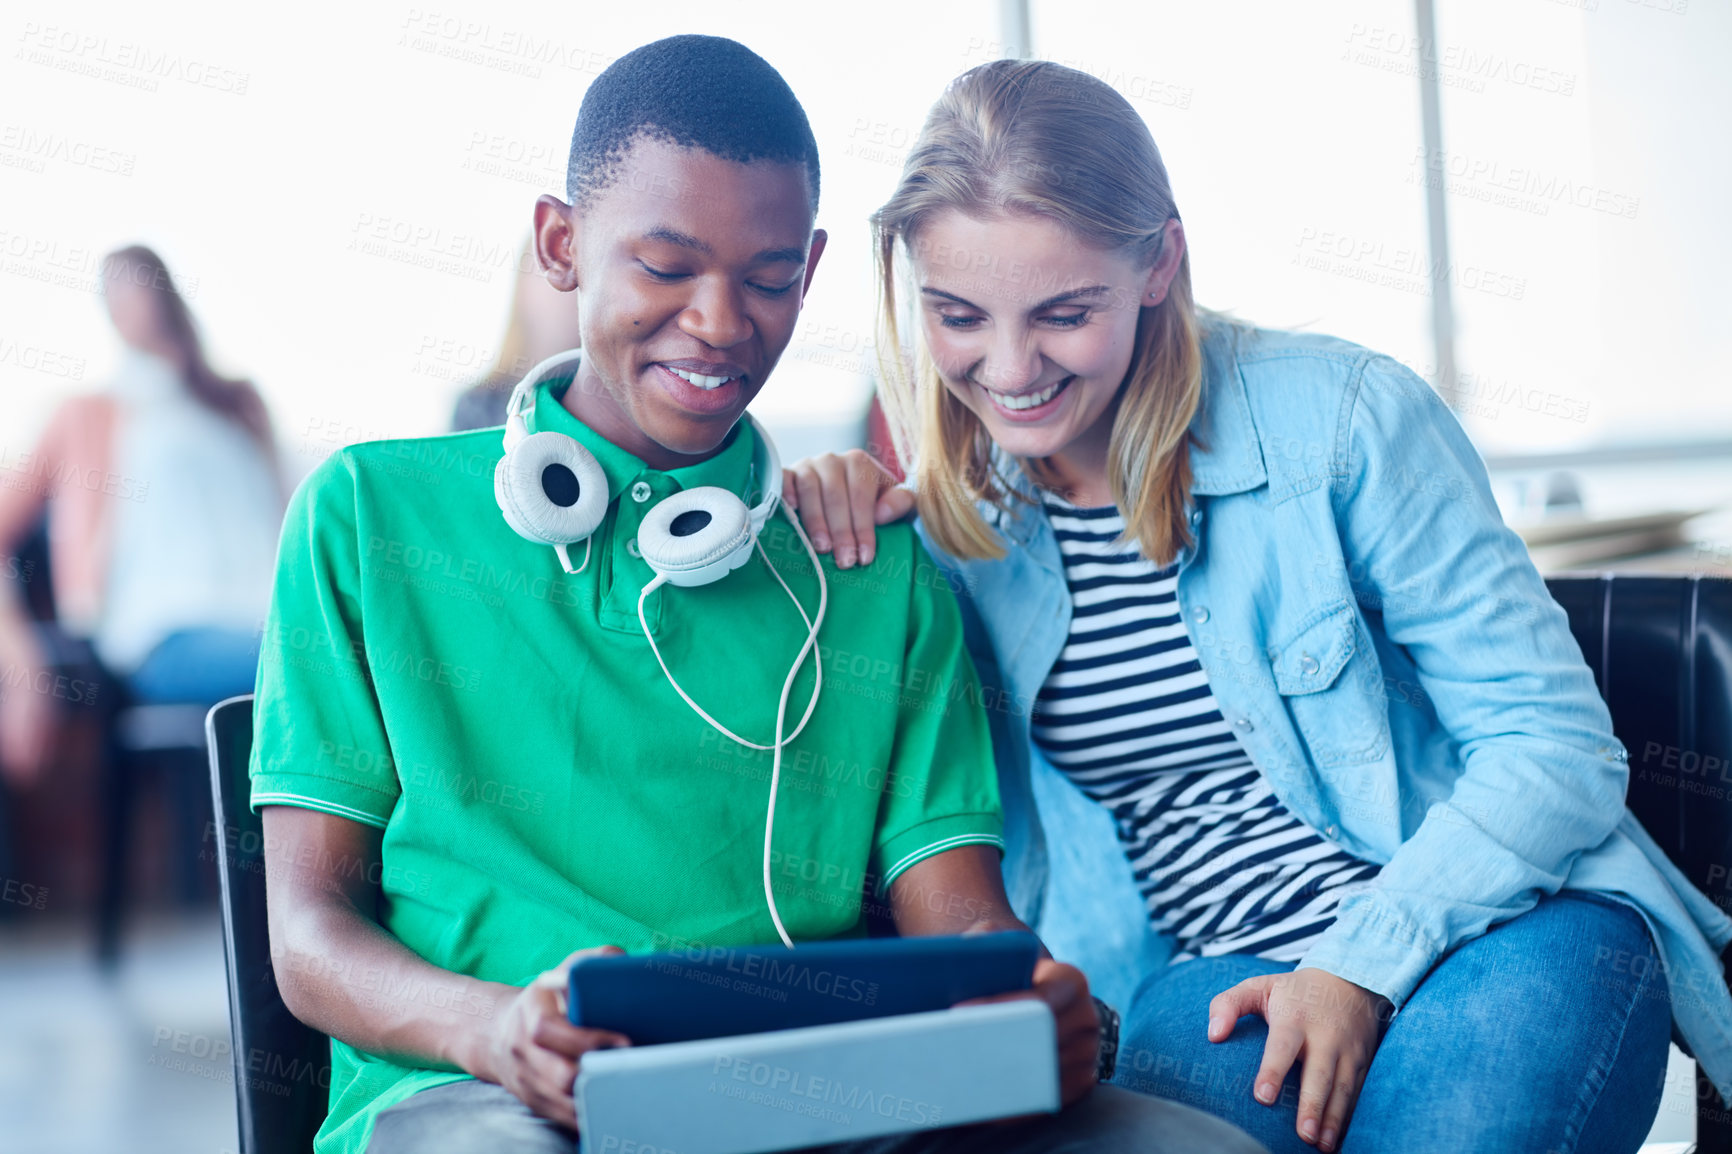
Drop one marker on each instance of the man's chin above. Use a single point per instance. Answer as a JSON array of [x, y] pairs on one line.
[[694, 435]]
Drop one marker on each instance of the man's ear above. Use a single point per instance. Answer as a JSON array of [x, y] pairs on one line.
[[555, 233], [819, 239], [1166, 265]]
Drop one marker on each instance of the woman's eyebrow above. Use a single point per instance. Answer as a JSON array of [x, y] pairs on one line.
[[1088, 292], [932, 292]]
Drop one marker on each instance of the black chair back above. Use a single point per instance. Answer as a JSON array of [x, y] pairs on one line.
[[1661, 652], [282, 1067]]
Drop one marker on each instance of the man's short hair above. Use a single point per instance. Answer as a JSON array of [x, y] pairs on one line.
[[703, 92]]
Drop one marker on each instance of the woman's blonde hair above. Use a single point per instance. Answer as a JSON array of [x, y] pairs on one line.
[[1019, 136]]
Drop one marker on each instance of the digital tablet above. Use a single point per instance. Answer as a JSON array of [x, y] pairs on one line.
[[717, 992]]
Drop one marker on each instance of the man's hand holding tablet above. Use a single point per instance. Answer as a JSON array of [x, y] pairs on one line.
[[534, 1049]]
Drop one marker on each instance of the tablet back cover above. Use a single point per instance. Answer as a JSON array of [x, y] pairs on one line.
[[721, 992]]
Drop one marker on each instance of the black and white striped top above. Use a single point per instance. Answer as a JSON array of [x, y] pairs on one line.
[[1127, 714]]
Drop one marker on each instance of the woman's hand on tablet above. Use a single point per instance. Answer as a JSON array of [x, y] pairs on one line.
[[534, 1050], [841, 499]]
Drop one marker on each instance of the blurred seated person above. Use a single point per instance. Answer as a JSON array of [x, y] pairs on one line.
[[543, 322], [163, 504]]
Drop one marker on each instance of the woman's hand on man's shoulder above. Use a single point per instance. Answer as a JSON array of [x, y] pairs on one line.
[[841, 499]]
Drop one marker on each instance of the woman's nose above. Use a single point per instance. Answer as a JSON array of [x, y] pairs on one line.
[[1011, 365]]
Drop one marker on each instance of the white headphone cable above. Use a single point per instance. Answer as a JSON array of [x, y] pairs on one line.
[[812, 627], [811, 633], [565, 558]]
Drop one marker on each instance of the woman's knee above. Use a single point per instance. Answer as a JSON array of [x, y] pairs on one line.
[[1166, 1053], [1524, 1034]]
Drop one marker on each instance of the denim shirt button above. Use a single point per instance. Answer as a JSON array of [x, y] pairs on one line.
[[1308, 664], [1243, 725], [1331, 830], [1200, 614]]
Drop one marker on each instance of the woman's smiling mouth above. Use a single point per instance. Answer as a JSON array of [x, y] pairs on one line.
[[1030, 405]]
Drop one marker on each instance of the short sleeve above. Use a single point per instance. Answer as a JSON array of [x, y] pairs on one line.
[[318, 735], [941, 791]]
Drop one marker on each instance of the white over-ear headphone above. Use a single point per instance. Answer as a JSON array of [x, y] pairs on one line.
[[553, 491]]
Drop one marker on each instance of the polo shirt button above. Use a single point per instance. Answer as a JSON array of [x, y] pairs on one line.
[[1200, 614], [640, 493], [631, 547], [1308, 664], [1243, 725]]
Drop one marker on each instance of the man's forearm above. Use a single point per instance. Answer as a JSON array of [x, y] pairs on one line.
[[345, 975]]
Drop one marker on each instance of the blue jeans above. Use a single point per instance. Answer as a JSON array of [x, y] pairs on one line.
[[199, 666], [1547, 1033]]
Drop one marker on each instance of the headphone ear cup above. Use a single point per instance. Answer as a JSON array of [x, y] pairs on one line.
[[696, 536], [551, 489]]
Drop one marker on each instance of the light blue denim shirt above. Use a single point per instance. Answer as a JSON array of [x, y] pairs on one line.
[[1386, 652]]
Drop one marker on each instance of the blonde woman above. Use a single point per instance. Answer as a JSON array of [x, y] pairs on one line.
[[1298, 757]]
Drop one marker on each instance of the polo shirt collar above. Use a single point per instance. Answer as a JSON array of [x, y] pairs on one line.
[[730, 469]]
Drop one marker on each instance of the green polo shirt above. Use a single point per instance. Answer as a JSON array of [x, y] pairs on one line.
[[540, 785]]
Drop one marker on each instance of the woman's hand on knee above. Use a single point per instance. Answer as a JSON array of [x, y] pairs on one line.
[[841, 499], [1330, 1024], [535, 1050]]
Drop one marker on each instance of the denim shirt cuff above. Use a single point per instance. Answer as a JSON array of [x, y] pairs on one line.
[[1375, 949]]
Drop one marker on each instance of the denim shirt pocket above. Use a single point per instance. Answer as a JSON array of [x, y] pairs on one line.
[[1317, 669]]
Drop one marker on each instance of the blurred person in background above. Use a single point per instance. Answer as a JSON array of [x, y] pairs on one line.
[[542, 323], [163, 502]]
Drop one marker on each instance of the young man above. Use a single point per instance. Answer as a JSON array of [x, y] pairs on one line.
[[468, 759]]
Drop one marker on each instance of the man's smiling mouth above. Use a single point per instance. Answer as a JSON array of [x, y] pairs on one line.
[[700, 380]]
